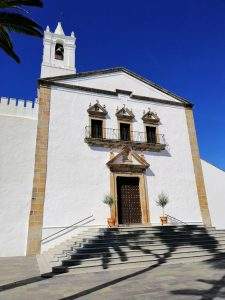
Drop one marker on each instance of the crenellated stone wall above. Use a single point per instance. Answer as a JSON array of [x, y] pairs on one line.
[[19, 107], [18, 123]]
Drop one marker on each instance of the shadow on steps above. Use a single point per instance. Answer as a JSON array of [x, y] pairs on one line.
[[114, 246]]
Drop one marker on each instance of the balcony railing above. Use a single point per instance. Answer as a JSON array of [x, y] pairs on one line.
[[114, 138]]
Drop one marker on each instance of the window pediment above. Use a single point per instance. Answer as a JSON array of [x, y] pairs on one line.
[[124, 114], [150, 117], [97, 110], [127, 160]]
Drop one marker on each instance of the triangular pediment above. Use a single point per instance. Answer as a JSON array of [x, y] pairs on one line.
[[127, 160], [150, 117], [124, 114], [118, 80], [97, 110]]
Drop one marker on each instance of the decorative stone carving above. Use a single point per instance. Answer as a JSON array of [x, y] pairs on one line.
[[124, 114], [125, 155], [140, 146], [150, 117], [127, 160], [111, 154], [97, 110]]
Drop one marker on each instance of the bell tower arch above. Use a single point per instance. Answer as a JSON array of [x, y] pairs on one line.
[[58, 53]]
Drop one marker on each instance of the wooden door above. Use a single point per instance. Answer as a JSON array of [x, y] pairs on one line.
[[129, 205]]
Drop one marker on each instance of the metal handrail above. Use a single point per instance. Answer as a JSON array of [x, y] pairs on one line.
[[116, 129], [177, 220], [61, 230], [115, 134]]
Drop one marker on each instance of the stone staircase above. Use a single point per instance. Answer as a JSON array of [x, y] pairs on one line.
[[139, 246]]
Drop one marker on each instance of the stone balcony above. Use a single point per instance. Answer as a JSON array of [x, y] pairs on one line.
[[112, 138]]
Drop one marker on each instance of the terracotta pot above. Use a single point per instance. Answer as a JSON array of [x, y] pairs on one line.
[[111, 222], [163, 220]]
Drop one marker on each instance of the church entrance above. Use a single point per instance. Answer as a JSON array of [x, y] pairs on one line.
[[128, 200]]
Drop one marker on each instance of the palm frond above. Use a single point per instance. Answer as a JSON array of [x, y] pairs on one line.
[[18, 23], [6, 44], [12, 21], [17, 3]]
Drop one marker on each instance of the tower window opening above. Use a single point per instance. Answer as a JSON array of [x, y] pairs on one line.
[[59, 51]]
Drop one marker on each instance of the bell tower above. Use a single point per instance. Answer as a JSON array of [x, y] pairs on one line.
[[58, 53]]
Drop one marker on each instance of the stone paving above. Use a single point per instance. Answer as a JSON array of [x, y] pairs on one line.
[[203, 281], [13, 269]]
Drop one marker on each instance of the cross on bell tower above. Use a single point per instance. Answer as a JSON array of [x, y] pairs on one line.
[[58, 53]]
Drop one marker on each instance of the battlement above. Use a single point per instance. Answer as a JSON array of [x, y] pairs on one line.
[[19, 108]]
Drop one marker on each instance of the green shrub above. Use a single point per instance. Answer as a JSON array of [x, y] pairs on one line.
[[162, 201], [108, 200]]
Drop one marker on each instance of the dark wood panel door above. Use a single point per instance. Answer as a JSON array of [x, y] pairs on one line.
[[129, 206]]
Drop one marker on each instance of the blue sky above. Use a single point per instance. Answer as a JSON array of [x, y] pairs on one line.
[[179, 44]]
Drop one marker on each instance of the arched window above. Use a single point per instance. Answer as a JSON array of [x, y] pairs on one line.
[[59, 51]]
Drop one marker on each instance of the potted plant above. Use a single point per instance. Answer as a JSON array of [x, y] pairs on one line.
[[162, 202], [109, 200]]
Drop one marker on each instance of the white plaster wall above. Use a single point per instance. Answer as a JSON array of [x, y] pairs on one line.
[[78, 178], [172, 171], [120, 81], [215, 189], [17, 150], [49, 71]]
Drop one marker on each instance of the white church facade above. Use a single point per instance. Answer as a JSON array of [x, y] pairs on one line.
[[91, 134]]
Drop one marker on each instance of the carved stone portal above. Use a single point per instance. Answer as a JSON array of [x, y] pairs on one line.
[[128, 161]]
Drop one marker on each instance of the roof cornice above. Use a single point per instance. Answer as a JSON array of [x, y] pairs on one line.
[[115, 70], [45, 82]]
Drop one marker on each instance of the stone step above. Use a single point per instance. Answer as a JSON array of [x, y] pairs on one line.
[[157, 250], [156, 241], [80, 241], [69, 242], [68, 253], [110, 237], [88, 248], [121, 230], [86, 236], [136, 234], [139, 263], [138, 246], [59, 247], [155, 227], [150, 228], [111, 252], [122, 256]]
